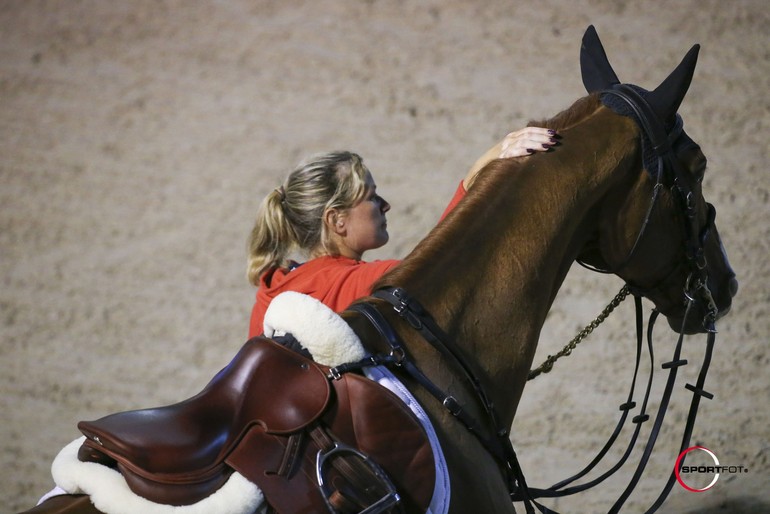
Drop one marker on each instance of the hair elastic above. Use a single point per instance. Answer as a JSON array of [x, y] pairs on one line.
[[282, 193]]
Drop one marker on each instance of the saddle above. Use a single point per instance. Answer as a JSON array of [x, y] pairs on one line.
[[311, 443]]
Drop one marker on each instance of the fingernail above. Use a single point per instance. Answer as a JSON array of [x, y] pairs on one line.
[[554, 140], [551, 132], [530, 150], [546, 145]]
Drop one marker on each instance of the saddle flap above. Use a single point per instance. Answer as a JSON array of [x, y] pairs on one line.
[[378, 423], [362, 415], [265, 384]]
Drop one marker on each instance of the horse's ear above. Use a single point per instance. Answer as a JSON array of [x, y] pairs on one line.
[[595, 68], [668, 96]]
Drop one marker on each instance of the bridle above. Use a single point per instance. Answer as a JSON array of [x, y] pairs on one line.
[[669, 166], [494, 437]]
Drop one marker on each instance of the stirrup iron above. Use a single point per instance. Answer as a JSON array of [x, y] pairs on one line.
[[381, 506]]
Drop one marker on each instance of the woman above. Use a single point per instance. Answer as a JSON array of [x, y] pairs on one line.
[[329, 211]]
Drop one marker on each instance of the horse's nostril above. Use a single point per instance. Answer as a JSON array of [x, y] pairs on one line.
[[733, 286]]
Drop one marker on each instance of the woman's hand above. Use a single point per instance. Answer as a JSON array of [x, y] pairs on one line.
[[516, 144], [527, 141]]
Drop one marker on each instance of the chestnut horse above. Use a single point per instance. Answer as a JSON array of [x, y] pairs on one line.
[[489, 272]]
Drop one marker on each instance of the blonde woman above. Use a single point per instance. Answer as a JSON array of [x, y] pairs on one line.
[[329, 211]]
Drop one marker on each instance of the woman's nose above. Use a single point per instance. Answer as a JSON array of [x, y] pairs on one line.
[[385, 207]]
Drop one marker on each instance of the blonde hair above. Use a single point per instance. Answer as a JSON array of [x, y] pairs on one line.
[[291, 217]]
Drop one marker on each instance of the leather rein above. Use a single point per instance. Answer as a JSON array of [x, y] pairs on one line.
[[494, 437]]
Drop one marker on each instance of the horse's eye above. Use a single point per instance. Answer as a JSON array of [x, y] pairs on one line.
[[694, 160]]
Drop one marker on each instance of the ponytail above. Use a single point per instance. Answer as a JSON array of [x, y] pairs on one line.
[[272, 238]]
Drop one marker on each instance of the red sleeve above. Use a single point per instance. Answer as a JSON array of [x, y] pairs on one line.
[[459, 195]]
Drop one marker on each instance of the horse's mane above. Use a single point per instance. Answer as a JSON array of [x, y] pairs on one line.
[[572, 115], [429, 248]]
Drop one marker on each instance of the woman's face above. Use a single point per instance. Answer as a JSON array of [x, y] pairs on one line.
[[363, 227]]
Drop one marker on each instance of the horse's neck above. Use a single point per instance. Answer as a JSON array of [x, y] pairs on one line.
[[489, 274]]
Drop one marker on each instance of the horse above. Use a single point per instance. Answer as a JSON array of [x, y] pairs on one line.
[[489, 274], [485, 278]]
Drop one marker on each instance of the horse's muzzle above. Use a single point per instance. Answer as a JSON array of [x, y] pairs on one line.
[[707, 309]]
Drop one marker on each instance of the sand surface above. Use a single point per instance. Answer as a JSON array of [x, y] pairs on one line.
[[137, 138]]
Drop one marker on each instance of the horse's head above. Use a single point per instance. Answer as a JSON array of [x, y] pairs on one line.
[[662, 239]]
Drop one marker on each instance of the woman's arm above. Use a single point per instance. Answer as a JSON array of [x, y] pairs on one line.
[[516, 144]]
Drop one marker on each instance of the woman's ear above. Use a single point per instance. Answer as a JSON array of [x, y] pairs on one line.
[[335, 222]]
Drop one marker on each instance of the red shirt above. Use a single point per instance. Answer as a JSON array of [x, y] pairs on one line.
[[334, 280]]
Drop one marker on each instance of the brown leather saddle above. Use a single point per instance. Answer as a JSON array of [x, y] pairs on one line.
[[278, 419]]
